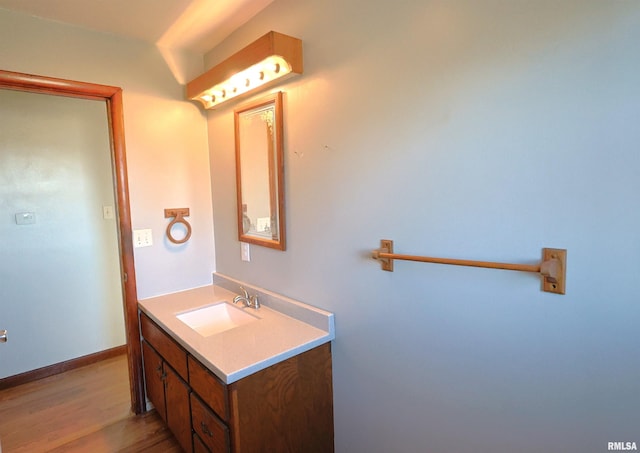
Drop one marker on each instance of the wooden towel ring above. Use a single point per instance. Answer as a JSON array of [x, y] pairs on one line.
[[178, 215]]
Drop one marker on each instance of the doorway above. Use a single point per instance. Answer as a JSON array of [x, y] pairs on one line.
[[60, 286], [111, 97]]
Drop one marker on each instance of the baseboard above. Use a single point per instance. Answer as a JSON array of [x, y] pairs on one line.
[[61, 367]]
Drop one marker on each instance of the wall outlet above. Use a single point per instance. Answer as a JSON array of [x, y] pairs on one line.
[[142, 238], [245, 252]]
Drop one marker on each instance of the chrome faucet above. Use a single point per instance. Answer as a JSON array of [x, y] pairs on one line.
[[246, 299]]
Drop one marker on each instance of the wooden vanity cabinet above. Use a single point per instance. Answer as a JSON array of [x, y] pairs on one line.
[[287, 407]]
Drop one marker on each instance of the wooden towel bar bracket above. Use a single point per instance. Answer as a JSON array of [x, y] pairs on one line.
[[552, 268]]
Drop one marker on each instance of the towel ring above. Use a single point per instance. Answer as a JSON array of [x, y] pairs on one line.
[[178, 215]]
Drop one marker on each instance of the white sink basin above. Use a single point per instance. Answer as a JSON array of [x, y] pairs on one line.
[[216, 318]]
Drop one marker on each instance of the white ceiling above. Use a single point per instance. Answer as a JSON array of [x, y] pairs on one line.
[[195, 25]]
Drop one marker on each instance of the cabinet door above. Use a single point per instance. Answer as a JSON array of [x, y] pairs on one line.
[[178, 408], [154, 379]]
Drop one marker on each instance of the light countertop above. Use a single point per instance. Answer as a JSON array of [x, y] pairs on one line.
[[243, 350]]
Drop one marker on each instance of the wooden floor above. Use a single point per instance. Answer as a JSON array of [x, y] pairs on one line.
[[83, 410]]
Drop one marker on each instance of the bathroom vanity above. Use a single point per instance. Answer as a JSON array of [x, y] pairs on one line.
[[259, 385]]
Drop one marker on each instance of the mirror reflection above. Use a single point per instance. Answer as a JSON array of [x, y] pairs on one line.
[[259, 172]]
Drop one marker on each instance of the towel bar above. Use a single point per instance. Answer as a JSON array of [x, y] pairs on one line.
[[552, 268]]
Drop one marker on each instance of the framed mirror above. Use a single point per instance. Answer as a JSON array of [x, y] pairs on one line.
[[260, 172]]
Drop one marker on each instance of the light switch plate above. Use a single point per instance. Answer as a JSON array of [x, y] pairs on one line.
[[25, 218], [142, 238], [263, 224], [107, 212]]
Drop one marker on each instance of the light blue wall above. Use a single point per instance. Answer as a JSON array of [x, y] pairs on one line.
[[469, 129], [166, 141]]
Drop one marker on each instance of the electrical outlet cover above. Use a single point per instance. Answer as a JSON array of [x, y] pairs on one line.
[[245, 251]]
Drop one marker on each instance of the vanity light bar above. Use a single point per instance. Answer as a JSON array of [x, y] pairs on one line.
[[271, 58]]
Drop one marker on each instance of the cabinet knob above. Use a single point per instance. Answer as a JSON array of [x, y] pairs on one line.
[[3, 336], [205, 429], [161, 374]]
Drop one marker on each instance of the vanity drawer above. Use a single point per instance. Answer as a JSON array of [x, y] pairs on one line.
[[211, 389], [171, 351], [198, 445], [209, 428]]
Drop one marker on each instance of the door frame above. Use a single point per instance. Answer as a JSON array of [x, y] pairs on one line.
[[112, 96]]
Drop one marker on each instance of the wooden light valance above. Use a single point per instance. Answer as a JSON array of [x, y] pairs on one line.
[[268, 60]]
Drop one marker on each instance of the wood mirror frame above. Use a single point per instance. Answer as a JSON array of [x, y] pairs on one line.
[[260, 161], [113, 98]]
